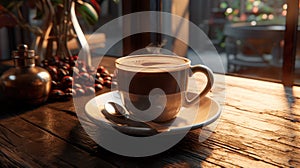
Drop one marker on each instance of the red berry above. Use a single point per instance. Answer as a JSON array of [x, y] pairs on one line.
[[75, 57]]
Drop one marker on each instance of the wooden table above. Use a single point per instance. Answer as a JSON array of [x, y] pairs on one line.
[[259, 127]]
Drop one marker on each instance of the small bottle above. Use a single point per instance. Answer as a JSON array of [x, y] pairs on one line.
[[25, 83]]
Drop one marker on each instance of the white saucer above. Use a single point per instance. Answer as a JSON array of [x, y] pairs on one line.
[[193, 117]]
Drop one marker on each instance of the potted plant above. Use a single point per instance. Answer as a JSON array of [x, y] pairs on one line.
[[59, 23]]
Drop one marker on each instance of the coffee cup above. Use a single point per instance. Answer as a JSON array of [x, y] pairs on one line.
[[154, 87]]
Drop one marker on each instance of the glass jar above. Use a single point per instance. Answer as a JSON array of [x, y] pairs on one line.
[[25, 83]]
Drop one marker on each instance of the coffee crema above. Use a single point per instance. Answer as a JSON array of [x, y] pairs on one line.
[[151, 63]]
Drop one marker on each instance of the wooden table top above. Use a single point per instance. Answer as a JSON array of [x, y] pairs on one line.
[[259, 127]]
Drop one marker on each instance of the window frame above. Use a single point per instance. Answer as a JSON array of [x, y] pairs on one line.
[[290, 41]]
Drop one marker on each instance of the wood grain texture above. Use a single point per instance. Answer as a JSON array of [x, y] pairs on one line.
[[259, 127]]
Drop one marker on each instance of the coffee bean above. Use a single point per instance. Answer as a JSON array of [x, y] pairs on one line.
[[53, 72], [98, 87], [66, 71], [55, 85], [112, 75], [77, 86], [54, 60], [98, 75], [72, 63], [61, 73], [79, 92], [90, 90], [66, 59], [83, 69], [70, 91], [67, 81], [105, 73], [91, 79], [100, 69], [68, 96], [100, 80], [74, 70], [84, 76], [56, 94], [107, 78], [77, 79], [114, 84], [65, 66], [44, 63], [107, 83]]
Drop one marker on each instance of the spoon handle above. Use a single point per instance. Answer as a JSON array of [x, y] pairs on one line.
[[122, 121], [157, 127], [127, 121]]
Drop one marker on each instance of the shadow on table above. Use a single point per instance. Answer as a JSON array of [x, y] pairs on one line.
[[289, 129], [187, 153], [9, 109]]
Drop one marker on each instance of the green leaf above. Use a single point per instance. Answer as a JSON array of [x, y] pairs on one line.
[[87, 12]]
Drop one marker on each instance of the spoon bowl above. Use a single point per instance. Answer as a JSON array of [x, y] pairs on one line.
[[114, 110]]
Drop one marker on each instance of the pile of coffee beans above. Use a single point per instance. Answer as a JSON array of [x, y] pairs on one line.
[[72, 77]]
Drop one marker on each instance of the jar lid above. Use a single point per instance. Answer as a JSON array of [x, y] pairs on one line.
[[23, 57], [23, 52]]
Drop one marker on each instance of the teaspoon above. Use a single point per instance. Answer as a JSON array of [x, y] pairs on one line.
[[114, 110]]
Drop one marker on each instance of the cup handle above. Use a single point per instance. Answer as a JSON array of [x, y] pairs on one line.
[[210, 80]]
